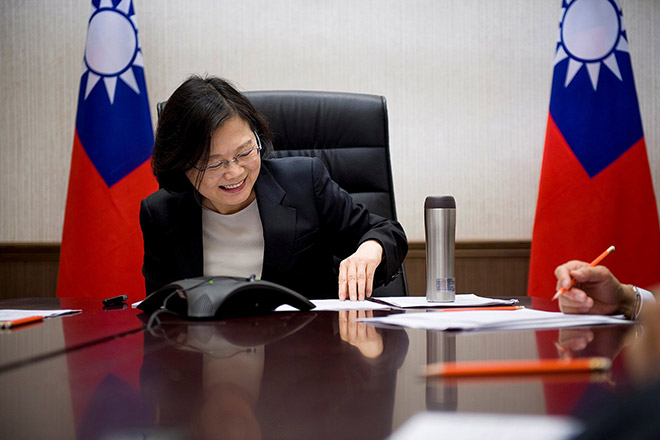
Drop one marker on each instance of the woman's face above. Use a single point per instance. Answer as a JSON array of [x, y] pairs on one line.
[[228, 188]]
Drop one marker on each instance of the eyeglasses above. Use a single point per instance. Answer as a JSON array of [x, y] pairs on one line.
[[242, 159]]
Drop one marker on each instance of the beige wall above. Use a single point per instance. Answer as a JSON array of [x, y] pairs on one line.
[[467, 82]]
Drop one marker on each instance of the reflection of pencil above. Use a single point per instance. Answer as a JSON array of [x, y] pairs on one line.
[[598, 259], [21, 321], [474, 309], [517, 367], [567, 378]]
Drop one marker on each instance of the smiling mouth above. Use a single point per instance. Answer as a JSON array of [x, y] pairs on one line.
[[234, 187]]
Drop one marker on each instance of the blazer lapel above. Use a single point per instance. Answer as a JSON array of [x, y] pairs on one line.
[[278, 221], [187, 232]]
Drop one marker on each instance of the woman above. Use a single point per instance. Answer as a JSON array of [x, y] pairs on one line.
[[224, 208]]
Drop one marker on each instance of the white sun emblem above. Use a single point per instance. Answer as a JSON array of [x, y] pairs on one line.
[[112, 48], [590, 32]]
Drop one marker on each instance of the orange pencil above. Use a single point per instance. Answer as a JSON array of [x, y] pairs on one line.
[[21, 321], [598, 259], [517, 367], [474, 309]]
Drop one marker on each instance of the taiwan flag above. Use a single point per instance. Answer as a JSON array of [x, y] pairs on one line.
[[102, 248], [596, 188]]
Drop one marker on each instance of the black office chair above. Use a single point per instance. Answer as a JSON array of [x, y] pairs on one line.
[[349, 133]]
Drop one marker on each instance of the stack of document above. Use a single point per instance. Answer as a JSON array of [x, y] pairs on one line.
[[491, 320], [335, 304], [462, 300], [401, 302]]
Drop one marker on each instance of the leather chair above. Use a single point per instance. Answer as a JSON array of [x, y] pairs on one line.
[[349, 133]]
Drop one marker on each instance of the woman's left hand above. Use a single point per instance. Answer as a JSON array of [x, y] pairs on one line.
[[356, 273]]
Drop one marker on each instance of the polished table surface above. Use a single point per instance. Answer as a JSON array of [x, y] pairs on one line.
[[45, 339], [104, 374]]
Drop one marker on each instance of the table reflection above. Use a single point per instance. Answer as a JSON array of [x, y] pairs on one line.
[[533, 394], [285, 375], [440, 347], [604, 341]]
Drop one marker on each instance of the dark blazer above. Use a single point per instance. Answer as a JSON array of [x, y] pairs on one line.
[[309, 225]]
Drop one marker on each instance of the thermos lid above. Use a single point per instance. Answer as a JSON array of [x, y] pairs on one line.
[[434, 202]]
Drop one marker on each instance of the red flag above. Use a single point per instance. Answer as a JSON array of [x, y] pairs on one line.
[[596, 188], [102, 248]]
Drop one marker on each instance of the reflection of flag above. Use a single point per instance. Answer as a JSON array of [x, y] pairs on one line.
[[102, 250], [596, 188]]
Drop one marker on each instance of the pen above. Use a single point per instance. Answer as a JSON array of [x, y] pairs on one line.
[[21, 321], [115, 300], [598, 259], [518, 367], [474, 309]]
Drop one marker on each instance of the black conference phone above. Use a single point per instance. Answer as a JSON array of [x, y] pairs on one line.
[[222, 297]]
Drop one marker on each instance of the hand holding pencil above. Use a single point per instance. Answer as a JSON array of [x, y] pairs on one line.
[[597, 291], [594, 263]]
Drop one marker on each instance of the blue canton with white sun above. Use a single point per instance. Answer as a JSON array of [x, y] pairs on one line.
[[113, 120], [593, 100]]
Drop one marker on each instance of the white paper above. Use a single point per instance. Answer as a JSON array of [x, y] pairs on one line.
[[469, 426], [13, 314], [521, 319], [461, 300], [335, 304]]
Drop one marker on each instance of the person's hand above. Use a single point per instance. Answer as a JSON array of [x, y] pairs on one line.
[[596, 290], [359, 334], [572, 340], [356, 273], [599, 341]]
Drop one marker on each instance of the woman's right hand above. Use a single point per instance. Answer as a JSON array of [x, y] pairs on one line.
[[596, 290]]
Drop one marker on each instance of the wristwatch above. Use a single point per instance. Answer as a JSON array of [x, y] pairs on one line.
[[637, 304]]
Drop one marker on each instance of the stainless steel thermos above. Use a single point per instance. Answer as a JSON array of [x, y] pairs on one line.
[[440, 227]]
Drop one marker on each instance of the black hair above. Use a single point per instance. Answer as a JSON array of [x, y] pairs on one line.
[[196, 109]]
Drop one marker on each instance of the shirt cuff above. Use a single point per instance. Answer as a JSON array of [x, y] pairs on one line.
[[647, 296]]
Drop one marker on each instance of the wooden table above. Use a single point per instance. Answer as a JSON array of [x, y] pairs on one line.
[[284, 375]]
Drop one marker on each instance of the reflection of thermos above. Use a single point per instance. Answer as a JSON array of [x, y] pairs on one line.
[[440, 347], [440, 225]]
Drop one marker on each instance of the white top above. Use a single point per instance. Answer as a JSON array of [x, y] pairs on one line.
[[233, 243]]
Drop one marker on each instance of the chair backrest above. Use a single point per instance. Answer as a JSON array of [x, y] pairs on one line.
[[349, 133]]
